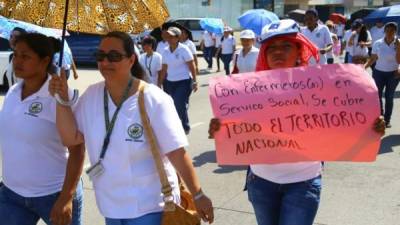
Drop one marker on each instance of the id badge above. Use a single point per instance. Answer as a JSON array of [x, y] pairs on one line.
[[95, 170]]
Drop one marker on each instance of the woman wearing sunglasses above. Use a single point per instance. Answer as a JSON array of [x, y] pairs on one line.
[[41, 178], [125, 179], [181, 79], [286, 193]]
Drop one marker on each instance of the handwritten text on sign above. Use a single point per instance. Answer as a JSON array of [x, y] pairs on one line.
[[302, 114]]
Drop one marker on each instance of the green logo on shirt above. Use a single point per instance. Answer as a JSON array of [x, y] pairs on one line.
[[35, 108], [135, 131]]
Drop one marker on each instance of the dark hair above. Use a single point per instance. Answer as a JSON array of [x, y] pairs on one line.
[[56, 44], [391, 25], [42, 45], [129, 47], [312, 11], [149, 40], [19, 29], [363, 35]]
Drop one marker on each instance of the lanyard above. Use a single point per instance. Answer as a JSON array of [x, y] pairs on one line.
[[148, 67], [110, 125]]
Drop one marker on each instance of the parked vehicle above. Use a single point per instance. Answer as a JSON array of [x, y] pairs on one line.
[[6, 75], [193, 24], [83, 47]]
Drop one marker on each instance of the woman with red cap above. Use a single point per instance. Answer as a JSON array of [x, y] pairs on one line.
[[286, 193]]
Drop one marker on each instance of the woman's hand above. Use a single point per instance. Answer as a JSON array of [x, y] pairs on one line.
[[195, 86], [205, 209], [61, 213], [379, 125], [215, 125], [58, 85]]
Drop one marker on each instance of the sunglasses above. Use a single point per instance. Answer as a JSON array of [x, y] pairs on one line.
[[112, 56]]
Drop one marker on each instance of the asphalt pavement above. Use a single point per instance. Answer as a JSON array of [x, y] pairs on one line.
[[352, 194]]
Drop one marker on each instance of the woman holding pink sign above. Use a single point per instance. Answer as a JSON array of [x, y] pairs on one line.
[[285, 193]]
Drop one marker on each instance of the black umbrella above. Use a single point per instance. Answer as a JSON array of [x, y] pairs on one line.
[[297, 15], [156, 33]]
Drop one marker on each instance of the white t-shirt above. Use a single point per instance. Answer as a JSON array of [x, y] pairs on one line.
[[377, 33], [286, 173], [340, 30], [346, 38], [386, 56], [161, 46], [130, 186], [357, 49], [227, 45], [321, 37], [247, 63], [152, 65], [177, 62], [191, 46], [33, 157], [209, 39]]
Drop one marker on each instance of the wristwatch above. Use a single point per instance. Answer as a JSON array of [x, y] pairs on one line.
[[198, 195]]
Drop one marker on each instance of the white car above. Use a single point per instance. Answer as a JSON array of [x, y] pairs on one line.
[[193, 24], [6, 74]]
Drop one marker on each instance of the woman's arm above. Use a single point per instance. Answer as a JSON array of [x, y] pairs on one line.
[[371, 60], [74, 70], [183, 165], [397, 44], [162, 74], [65, 120], [351, 39], [194, 74], [61, 213], [196, 63]]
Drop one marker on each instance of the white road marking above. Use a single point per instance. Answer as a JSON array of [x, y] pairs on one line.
[[196, 124]]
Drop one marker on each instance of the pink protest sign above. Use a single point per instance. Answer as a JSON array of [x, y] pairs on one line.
[[316, 113]]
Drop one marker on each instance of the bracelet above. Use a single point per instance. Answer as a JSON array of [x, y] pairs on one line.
[[198, 195], [194, 82]]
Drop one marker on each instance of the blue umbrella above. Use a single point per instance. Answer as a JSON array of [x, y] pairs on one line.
[[213, 25], [256, 19], [384, 15], [7, 26]]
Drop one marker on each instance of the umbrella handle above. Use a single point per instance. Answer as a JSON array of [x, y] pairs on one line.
[[60, 100], [70, 102]]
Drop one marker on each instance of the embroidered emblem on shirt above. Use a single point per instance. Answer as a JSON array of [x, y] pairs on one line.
[[318, 35], [135, 131], [35, 108]]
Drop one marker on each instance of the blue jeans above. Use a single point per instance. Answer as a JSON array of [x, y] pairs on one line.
[[226, 59], [387, 81], [208, 55], [180, 92], [284, 204], [18, 210], [148, 219]]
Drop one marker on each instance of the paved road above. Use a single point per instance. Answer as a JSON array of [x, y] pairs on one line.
[[353, 193]]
